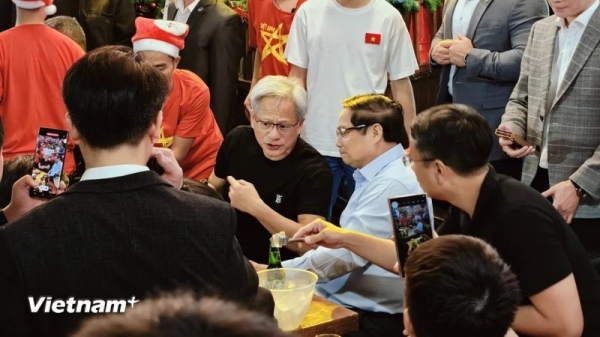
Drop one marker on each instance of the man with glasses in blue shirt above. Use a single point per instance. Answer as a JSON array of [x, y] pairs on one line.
[[274, 179], [370, 138]]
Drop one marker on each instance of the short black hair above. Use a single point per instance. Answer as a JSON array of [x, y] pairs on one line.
[[113, 96], [455, 134], [183, 316], [372, 109], [459, 286]]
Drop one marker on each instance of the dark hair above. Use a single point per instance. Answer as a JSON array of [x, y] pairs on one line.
[[459, 286], [113, 97], [182, 316], [69, 27], [372, 109], [200, 187], [14, 169], [455, 134]]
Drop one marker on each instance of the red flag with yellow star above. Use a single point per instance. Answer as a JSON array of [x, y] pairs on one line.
[[372, 38]]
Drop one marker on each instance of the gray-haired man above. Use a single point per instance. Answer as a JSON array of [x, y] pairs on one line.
[[277, 181]]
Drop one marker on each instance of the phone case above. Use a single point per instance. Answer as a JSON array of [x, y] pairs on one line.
[[48, 162], [412, 223]]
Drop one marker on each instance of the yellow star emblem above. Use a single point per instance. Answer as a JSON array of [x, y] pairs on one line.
[[274, 49], [162, 140]]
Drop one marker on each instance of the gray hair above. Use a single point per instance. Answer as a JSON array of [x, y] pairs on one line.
[[282, 88]]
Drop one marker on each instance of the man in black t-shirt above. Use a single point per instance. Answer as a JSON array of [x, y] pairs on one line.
[[277, 181], [561, 290]]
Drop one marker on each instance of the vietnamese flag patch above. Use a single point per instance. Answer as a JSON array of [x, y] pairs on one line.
[[372, 38]]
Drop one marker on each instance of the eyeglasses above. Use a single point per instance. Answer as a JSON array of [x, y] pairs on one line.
[[409, 161], [340, 131], [283, 128]]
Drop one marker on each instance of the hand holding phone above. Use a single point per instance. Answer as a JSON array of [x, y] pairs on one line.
[[518, 141]]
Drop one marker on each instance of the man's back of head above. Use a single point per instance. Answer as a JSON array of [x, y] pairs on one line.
[[455, 134], [183, 316], [113, 99], [70, 27], [459, 286]]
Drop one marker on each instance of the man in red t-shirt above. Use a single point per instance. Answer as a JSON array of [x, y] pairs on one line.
[[188, 128], [34, 59], [269, 23]]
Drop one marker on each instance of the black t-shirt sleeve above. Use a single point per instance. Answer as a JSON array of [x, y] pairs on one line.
[[314, 190], [222, 163], [534, 247]]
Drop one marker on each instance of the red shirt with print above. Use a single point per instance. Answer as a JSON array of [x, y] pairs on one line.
[[268, 29], [187, 114]]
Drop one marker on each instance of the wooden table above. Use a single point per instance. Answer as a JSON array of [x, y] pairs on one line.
[[326, 317]]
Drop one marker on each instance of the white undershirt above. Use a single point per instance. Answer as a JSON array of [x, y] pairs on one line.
[[183, 13]]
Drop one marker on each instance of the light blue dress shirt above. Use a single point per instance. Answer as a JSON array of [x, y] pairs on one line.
[[344, 277], [461, 19]]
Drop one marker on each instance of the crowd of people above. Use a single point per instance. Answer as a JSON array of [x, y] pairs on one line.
[[163, 199]]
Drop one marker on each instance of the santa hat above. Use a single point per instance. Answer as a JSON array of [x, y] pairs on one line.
[[159, 35], [49, 8]]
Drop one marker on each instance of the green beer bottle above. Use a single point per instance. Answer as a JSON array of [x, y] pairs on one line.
[[274, 258]]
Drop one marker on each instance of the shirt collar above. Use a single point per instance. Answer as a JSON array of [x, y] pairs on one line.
[[583, 19], [371, 169], [179, 5], [113, 171]]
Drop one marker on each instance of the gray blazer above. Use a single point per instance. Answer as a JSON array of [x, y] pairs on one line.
[[574, 134], [499, 31]]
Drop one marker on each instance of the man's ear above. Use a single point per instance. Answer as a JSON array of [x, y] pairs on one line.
[[441, 171], [176, 61], [73, 132], [408, 328], [155, 128], [377, 131]]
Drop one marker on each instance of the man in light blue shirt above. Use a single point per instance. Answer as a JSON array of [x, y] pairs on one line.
[[370, 138]]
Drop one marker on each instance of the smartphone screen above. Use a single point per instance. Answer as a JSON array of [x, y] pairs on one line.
[[412, 221], [48, 162]]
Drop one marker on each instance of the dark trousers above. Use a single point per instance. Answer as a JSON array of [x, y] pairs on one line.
[[377, 324], [587, 230], [512, 167]]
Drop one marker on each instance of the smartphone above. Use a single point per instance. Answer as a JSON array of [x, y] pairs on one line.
[[154, 166], [412, 221], [48, 162], [518, 141]]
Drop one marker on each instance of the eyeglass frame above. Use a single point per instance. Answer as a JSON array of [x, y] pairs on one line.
[[289, 127], [341, 131], [412, 162]]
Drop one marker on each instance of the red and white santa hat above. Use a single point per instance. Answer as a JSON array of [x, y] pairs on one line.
[[49, 8], [159, 35]]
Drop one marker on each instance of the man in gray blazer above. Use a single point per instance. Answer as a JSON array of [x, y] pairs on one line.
[[556, 107], [479, 47]]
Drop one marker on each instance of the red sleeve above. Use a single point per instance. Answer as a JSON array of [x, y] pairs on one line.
[[196, 109], [251, 24]]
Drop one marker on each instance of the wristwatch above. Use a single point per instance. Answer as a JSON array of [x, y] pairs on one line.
[[581, 193]]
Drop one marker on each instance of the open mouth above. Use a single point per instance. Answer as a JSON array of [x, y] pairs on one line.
[[273, 147]]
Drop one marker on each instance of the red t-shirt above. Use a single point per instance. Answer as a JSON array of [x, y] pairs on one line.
[[33, 62], [187, 114], [268, 29]]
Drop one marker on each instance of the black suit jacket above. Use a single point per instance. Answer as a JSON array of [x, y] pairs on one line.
[[105, 22], [213, 50], [114, 239]]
